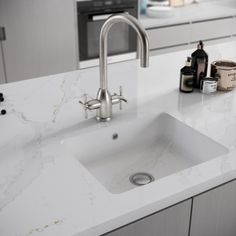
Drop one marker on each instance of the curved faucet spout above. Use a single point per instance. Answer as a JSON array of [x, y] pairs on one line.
[[144, 43], [104, 102]]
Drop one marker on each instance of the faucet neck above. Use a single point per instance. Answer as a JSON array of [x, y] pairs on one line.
[[144, 46]]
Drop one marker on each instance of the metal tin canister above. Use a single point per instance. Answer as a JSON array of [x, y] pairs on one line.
[[226, 72], [208, 85]]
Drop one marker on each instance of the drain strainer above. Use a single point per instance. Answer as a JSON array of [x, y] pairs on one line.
[[141, 178]]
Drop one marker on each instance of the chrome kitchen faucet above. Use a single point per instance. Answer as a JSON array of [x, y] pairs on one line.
[[103, 103]]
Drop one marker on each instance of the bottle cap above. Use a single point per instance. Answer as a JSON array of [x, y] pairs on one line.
[[200, 45], [189, 61]]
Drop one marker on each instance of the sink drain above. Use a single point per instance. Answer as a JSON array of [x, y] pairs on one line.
[[140, 179]]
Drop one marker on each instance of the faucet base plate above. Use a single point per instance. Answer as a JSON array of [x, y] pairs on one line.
[[103, 119]]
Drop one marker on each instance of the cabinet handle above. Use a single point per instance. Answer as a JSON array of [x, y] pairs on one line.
[[2, 34], [101, 17]]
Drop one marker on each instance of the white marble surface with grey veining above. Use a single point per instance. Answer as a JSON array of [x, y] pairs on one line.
[[46, 191]]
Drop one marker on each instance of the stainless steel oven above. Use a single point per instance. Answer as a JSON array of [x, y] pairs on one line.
[[122, 42]]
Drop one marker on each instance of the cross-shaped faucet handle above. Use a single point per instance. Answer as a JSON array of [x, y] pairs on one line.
[[84, 104]]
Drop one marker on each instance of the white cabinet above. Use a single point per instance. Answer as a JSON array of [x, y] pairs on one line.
[[40, 37], [176, 36], [173, 221], [169, 36], [214, 212], [234, 26], [211, 29]]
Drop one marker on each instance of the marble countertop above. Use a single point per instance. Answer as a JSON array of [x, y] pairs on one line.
[[194, 12], [46, 192]]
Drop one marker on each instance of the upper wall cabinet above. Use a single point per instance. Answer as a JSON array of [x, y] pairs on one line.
[[40, 37], [173, 221], [214, 212]]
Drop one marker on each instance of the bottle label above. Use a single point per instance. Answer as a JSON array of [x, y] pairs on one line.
[[227, 79], [208, 86], [187, 83], [201, 67]]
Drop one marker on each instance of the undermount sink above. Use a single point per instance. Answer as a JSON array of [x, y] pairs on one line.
[[158, 147]]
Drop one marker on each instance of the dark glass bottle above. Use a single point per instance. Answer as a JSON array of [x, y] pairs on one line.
[[186, 78], [199, 64]]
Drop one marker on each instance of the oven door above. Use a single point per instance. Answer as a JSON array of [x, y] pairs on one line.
[[122, 39]]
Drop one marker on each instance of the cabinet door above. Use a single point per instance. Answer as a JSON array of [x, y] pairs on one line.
[[214, 212], [40, 37], [173, 221]]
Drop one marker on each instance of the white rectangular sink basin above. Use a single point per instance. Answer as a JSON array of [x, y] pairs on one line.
[[160, 147]]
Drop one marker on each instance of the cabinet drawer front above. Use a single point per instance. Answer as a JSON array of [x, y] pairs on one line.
[[211, 29], [173, 221], [169, 36], [234, 26]]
